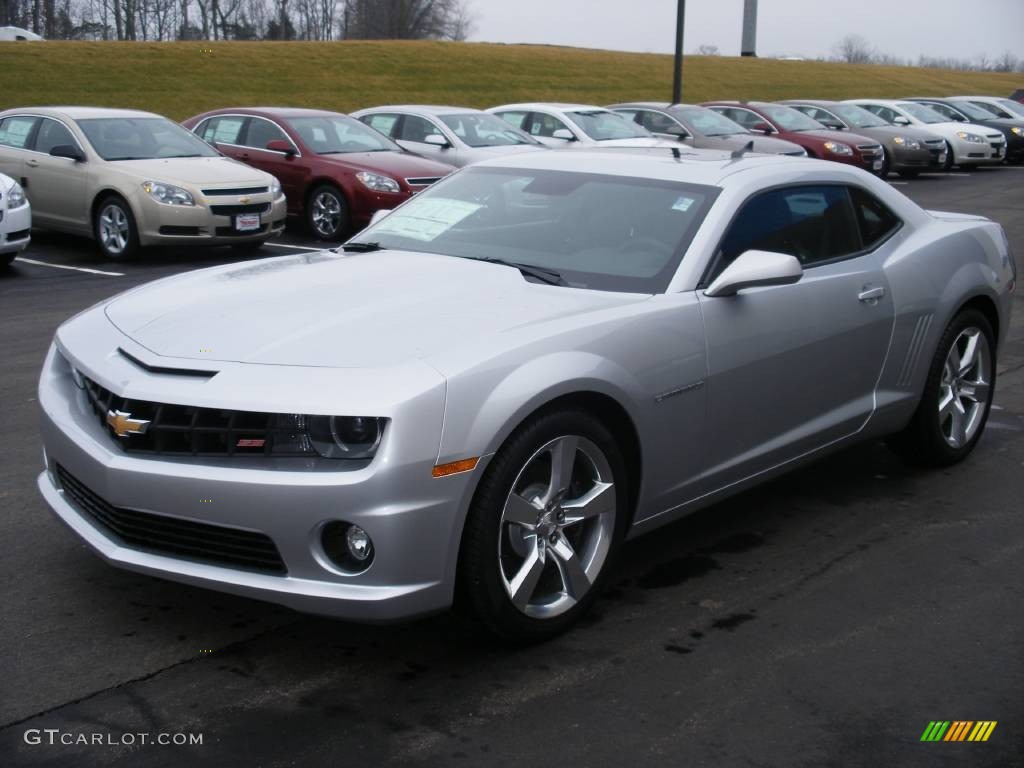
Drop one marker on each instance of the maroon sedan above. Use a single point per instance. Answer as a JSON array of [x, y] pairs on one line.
[[335, 171], [792, 125]]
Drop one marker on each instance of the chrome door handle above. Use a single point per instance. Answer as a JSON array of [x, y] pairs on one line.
[[32, 163], [871, 294]]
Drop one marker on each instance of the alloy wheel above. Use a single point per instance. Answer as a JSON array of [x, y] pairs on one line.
[[114, 229], [557, 526], [326, 214], [964, 387]]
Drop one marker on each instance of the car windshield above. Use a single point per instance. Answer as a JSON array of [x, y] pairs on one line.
[[707, 122], [142, 138], [484, 130], [790, 119], [340, 134], [922, 113], [992, 110], [857, 117], [611, 233], [1012, 106], [969, 110], [602, 125]]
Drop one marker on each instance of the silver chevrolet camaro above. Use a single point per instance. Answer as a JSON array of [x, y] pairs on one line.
[[481, 396]]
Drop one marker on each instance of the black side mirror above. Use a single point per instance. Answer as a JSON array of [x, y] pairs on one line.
[[68, 151]]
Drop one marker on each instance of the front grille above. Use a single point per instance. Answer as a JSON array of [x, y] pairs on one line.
[[179, 231], [235, 210], [173, 536], [236, 191], [185, 430], [935, 143], [998, 137], [423, 181], [21, 234]]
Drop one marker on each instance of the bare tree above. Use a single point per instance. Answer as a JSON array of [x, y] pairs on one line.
[[1007, 62], [854, 49]]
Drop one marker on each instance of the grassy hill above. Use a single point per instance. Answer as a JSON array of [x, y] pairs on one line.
[[182, 79]]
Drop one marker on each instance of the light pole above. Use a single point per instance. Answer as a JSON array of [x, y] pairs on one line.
[[677, 80], [749, 44]]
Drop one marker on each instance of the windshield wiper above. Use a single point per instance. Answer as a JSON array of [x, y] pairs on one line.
[[362, 247], [545, 275]]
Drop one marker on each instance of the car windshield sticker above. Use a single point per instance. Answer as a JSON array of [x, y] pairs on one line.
[[682, 204], [426, 219]]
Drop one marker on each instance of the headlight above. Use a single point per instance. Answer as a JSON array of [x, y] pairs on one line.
[[1017, 130], [168, 194], [838, 149], [345, 437], [16, 197], [378, 183], [903, 141], [275, 189], [973, 138]]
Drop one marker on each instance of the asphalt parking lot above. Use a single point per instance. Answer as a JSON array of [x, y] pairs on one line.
[[821, 620]]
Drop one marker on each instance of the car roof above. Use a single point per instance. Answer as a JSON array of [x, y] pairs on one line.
[[426, 109], [280, 111], [82, 113], [810, 102], [551, 105], [695, 166]]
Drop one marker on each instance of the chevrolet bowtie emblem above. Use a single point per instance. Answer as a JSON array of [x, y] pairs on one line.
[[123, 424], [244, 199]]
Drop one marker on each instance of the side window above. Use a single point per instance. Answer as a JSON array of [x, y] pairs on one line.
[[630, 114], [416, 129], [15, 131], [381, 123], [546, 125], [876, 222], [742, 116], [875, 110], [814, 223], [518, 119], [52, 134], [655, 122], [222, 130], [946, 112], [261, 132]]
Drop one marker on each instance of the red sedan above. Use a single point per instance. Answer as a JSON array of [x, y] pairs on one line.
[[335, 171], [793, 125]]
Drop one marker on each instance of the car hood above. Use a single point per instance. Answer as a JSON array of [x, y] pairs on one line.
[[196, 171], [889, 132], [764, 144], [641, 141], [828, 134], [399, 164], [344, 311]]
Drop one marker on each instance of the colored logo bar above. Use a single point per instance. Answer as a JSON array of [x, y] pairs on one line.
[[958, 730]]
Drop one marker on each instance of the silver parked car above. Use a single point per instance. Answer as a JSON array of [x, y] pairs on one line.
[[454, 135], [503, 379], [701, 128], [578, 126]]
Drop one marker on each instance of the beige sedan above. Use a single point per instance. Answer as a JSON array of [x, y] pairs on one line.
[[130, 179]]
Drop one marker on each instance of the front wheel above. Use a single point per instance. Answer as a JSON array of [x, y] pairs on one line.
[[115, 230], [957, 395], [883, 172], [547, 518], [950, 160], [327, 213]]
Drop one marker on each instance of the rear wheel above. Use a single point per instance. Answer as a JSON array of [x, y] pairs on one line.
[[546, 520], [115, 230], [327, 213], [957, 395], [883, 172], [948, 165]]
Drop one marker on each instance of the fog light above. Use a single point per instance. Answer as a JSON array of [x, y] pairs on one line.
[[347, 546]]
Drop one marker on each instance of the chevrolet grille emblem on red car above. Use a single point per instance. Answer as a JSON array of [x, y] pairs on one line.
[[123, 424]]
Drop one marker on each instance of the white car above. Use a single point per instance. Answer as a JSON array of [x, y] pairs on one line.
[[577, 126], [969, 144], [11, 34], [458, 136], [15, 219]]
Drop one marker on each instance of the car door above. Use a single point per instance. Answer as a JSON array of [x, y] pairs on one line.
[[57, 186], [412, 133], [16, 132], [793, 368], [287, 168]]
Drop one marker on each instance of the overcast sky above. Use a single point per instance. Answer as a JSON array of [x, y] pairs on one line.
[[959, 28]]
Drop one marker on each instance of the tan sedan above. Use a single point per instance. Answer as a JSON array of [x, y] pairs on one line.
[[131, 179]]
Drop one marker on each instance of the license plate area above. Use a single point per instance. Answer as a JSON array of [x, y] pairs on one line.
[[247, 222]]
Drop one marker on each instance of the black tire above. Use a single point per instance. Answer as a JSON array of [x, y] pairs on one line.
[[481, 581], [923, 442], [7, 259], [948, 165], [248, 247], [114, 213], [883, 172], [331, 222]]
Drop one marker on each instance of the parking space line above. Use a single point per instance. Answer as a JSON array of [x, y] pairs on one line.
[[66, 266]]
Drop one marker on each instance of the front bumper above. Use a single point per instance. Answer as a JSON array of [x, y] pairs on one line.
[[971, 153], [15, 229], [903, 159], [169, 224], [415, 520]]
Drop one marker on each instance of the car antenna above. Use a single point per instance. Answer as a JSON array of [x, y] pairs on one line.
[[738, 153]]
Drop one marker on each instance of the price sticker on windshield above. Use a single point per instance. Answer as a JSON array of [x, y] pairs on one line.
[[683, 204], [424, 220]]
